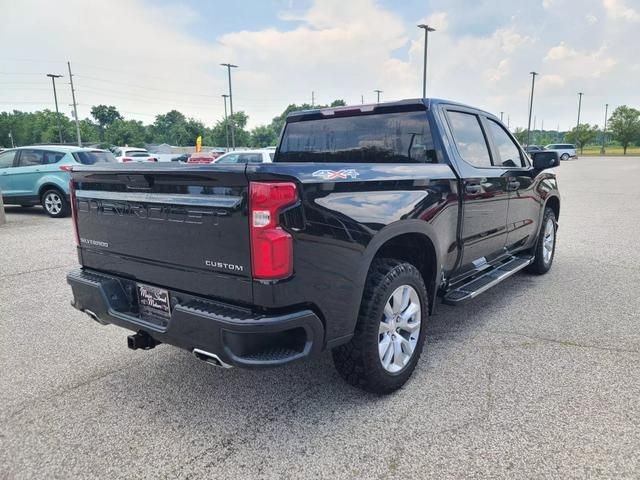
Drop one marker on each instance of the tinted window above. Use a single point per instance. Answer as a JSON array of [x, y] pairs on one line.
[[91, 158], [31, 157], [137, 153], [250, 158], [403, 137], [469, 139], [507, 149], [52, 157], [6, 158]]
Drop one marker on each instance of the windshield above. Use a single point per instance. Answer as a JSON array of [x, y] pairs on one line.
[[402, 137], [91, 158]]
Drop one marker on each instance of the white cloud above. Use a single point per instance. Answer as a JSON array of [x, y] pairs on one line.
[[617, 9], [573, 63]]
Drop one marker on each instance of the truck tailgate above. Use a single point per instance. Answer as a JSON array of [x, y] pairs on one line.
[[183, 228]]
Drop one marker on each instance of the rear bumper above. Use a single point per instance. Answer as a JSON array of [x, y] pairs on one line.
[[237, 336]]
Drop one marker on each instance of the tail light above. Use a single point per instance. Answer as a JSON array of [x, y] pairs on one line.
[[271, 246], [151, 159], [74, 212], [66, 168], [127, 159]]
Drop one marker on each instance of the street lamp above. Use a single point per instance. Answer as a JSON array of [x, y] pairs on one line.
[[533, 84], [378, 92], [55, 98], [604, 130], [578, 123], [427, 29], [233, 133], [226, 123]]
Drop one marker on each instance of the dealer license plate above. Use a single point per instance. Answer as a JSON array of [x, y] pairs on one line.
[[153, 301]]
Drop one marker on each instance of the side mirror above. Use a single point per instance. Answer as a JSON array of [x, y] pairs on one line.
[[543, 160]]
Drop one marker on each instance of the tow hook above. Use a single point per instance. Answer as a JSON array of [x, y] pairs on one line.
[[141, 340]]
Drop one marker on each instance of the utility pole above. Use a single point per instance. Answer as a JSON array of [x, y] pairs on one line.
[[55, 97], [533, 84], [313, 98], [75, 109], [226, 121], [378, 92], [233, 128], [501, 116], [427, 29], [13, 145], [508, 121], [578, 123], [604, 131], [362, 99]]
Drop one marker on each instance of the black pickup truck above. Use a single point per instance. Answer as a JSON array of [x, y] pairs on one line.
[[365, 218]]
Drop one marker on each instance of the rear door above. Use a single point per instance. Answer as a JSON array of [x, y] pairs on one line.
[[174, 227], [485, 192]]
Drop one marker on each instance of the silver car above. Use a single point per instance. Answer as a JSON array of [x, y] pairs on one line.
[[565, 150]]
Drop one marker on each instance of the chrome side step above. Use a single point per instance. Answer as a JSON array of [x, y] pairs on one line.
[[486, 280]]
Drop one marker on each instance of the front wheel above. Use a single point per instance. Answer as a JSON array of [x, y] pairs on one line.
[[545, 248], [390, 330], [55, 203]]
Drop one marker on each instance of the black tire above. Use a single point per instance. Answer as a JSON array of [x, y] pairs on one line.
[[55, 203], [565, 156], [358, 361], [542, 264]]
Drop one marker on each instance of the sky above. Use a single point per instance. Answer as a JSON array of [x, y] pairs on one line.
[[147, 57]]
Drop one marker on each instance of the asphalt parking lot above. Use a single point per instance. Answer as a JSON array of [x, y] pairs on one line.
[[540, 377]]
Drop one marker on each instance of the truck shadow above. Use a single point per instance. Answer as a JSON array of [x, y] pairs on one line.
[[36, 211]]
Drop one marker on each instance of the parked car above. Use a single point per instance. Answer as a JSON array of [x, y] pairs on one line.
[[247, 156], [367, 216], [202, 157], [40, 175], [131, 154], [181, 158], [534, 148], [565, 150]]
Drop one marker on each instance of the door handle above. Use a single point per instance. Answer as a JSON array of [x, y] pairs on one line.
[[513, 185], [473, 189]]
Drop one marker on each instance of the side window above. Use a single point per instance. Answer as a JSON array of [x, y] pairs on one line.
[[233, 158], [52, 157], [29, 158], [469, 138], [6, 158], [508, 151], [250, 158]]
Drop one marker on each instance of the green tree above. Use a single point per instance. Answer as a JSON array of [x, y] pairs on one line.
[[175, 129], [585, 134], [521, 135], [89, 131], [263, 136], [624, 125], [105, 115], [126, 132], [218, 137]]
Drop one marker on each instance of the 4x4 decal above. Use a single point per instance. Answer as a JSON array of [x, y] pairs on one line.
[[334, 174]]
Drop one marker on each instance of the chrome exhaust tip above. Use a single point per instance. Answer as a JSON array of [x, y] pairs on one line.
[[210, 358]]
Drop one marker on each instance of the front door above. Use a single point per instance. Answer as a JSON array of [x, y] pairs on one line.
[[485, 190]]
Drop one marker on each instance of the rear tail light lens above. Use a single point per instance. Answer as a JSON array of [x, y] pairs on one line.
[[74, 211], [126, 159], [271, 246], [66, 168]]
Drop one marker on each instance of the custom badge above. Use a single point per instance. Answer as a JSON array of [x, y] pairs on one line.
[[336, 174]]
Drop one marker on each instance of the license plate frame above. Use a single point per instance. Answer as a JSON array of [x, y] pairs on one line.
[[153, 302]]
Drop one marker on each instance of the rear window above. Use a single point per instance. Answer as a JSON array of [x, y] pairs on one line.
[[91, 158], [137, 153], [403, 137]]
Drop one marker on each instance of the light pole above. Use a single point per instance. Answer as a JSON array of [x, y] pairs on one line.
[[578, 123], [533, 84], [604, 130], [226, 122], [233, 133], [378, 92], [501, 116], [55, 97], [427, 29]]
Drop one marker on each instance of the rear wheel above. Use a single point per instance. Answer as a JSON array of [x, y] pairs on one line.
[[55, 203], [390, 331], [545, 248], [565, 156]]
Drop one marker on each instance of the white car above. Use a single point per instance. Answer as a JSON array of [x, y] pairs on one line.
[[565, 150], [131, 154], [246, 156]]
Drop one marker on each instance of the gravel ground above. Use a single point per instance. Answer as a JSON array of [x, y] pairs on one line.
[[539, 377]]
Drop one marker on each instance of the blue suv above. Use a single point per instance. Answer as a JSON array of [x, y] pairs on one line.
[[40, 175]]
